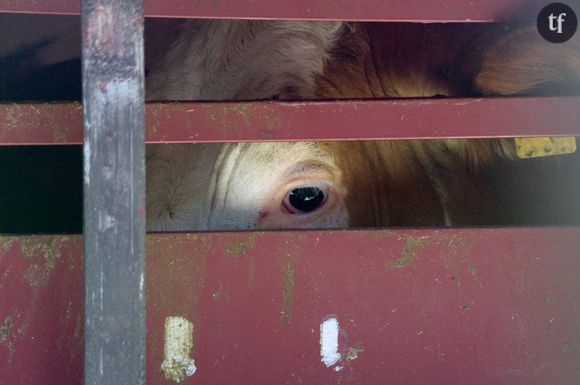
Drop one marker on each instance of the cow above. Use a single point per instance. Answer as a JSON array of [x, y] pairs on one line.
[[339, 184], [328, 184]]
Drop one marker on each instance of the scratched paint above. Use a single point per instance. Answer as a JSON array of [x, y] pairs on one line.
[[177, 363]]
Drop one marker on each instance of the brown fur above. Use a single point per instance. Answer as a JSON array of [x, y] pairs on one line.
[[396, 195], [401, 60]]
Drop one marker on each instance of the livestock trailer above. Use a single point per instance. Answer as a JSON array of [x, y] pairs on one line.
[[382, 306]]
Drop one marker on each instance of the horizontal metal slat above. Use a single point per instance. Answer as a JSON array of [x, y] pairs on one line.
[[477, 306], [369, 10], [43, 124]]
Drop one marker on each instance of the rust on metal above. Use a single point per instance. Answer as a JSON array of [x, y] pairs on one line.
[[209, 122]]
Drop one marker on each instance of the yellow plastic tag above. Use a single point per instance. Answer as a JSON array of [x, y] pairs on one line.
[[547, 146]]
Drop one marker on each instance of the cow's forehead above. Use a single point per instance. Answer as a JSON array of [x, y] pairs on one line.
[[278, 154], [252, 170]]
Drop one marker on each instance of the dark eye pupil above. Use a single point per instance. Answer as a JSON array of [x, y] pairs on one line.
[[306, 199]]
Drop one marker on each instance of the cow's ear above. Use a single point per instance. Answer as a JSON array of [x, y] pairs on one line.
[[522, 62]]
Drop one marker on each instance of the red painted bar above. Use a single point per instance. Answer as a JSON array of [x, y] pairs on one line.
[[41, 124], [471, 306], [369, 10]]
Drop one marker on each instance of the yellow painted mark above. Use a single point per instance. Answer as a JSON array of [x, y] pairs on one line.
[[527, 148]]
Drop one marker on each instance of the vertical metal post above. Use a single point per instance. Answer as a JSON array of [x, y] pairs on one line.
[[114, 187]]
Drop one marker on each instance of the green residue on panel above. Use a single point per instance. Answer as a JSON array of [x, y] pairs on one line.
[[240, 245], [251, 270], [12, 116], [568, 348], [6, 244], [217, 295], [60, 133], [273, 123], [8, 335], [209, 111], [204, 239], [37, 276], [472, 270], [288, 258], [244, 110], [287, 294], [466, 308], [353, 353], [412, 247], [381, 234], [153, 121], [547, 299], [44, 252], [78, 326], [68, 311]]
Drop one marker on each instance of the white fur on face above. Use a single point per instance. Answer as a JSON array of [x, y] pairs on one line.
[[251, 182], [240, 186]]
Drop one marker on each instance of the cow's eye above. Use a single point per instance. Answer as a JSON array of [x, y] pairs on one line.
[[304, 199]]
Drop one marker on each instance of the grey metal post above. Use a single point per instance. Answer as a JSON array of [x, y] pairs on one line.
[[114, 188]]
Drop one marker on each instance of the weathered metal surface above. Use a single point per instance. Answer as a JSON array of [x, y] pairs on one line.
[[41, 310], [474, 306], [290, 121], [114, 191], [42, 123], [406, 10]]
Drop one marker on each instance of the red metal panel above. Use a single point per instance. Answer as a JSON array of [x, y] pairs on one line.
[[41, 310], [483, 306], [292, 121], [370, 10]]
